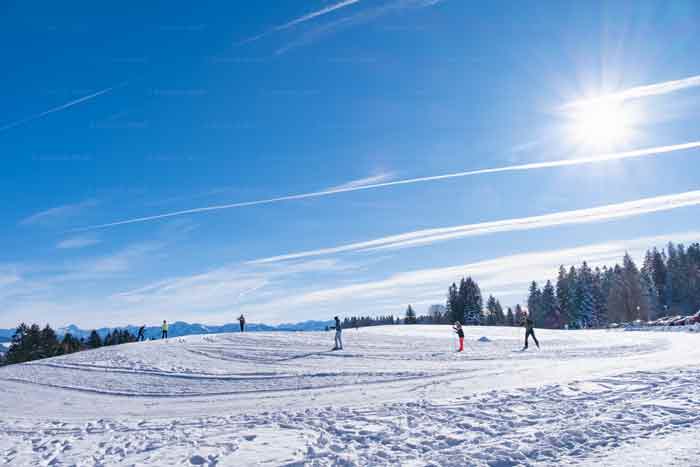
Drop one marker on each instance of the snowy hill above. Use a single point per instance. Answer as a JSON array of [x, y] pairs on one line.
[[397, 395]]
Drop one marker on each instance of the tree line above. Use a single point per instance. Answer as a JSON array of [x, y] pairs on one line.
[[364, 321], [667, 283], [33, 343]]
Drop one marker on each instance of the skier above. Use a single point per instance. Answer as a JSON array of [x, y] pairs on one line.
[[338, 337], [530, 331], [140, 337], [164, 330], [458, 329], [241, 321]]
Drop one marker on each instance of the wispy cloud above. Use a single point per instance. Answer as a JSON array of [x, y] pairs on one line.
[[301, 19], [58, 213], [579, 216], [80, 241], [647, 152], [59, 108], [363, 182], [510, 273], [106, 266], [639, 92]]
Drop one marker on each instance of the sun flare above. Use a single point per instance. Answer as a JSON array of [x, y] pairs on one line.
[[601, 123]]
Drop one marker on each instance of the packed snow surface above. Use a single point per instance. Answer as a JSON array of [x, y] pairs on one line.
[[397, 395]]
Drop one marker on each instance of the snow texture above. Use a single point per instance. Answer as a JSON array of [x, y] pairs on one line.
[[398, 395]]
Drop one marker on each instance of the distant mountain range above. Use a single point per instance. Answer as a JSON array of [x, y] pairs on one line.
[[180, 328]]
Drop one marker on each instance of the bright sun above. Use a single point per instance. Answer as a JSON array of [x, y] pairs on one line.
[[600, 123]]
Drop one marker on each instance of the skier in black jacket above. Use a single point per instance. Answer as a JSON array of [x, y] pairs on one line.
[[338, 334], [530, 331]]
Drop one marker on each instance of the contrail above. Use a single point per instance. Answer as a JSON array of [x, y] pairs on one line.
[[317, 194], [578, 216], [301, 19], [60, 107], [639, 92]]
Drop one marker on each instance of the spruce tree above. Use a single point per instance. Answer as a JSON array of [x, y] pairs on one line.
[[500, 316], [584, 296], [49, 345], [410, 316], [533, 303], [455, 309], [548, 309], [564, 297], [473, 302], [573, 312], [600, 299], [519, 315], [94, 341], [492, 318], [658, 275]]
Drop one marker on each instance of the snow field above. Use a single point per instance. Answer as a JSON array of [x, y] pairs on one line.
[[399, 395]]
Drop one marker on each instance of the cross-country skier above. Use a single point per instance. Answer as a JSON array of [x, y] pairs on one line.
[[140, 337], [241, 321], [530, 331], [458, 329], [164, 330], [338, 334]]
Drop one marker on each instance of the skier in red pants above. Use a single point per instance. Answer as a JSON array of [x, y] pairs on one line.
[[458, 329]]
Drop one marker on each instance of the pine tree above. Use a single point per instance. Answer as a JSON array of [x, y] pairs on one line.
[[626, 301], [600, 299], [500, 316], [670, 291], [519, 315], [49, 345], [548, 308], [533, 303], [473, 302], [410, 316], [510, 317], [455, 308], [492, 310], [564, 297], [584, 296], [69, 344], [658, 274], [19, 349], [94, 341]]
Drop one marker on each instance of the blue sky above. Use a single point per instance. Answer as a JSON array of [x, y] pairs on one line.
[[113, 116]]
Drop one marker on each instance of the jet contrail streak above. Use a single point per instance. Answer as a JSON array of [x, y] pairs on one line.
[[416, 238], [511, 168], [301, 19], [641, 91], [59, 108]]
